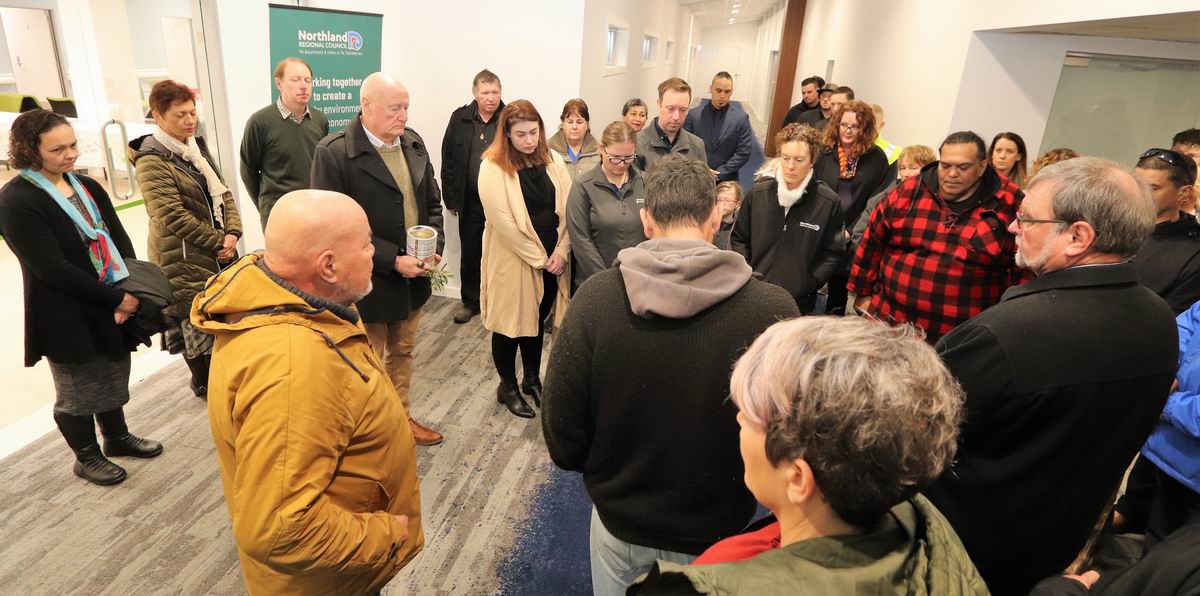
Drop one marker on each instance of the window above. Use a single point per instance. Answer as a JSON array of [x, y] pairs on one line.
[[616, 48], [649, 50]]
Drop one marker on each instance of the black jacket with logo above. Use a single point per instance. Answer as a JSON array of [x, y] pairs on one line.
[[1169, 263], [797, 252]]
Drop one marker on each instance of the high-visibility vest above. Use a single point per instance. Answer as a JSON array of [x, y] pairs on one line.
[[892, 151]]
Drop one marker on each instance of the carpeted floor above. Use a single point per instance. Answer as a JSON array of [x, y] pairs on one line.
[[498, 514], [550, 555]]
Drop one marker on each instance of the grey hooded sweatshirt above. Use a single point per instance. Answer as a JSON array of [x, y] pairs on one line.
[[650, 344]]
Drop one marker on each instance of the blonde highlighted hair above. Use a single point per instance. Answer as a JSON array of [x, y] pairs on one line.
[[871, 408]]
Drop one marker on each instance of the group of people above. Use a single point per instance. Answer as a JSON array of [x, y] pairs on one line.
[[968, 433]]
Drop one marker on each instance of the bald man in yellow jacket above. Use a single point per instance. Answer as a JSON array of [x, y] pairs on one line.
[[317, 458]]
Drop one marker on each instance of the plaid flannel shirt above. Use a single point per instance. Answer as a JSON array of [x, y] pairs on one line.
[[922, 263]]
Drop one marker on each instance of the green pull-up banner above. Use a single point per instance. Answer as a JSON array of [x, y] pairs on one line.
[[342, 47]]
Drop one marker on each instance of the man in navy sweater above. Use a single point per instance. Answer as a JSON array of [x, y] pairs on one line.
[[650, 344]]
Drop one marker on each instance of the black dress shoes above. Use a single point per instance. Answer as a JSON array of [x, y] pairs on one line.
[[91, 465], [509, 395], [532, 386], [132, 446]]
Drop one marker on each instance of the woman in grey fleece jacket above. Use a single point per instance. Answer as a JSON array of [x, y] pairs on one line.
[[604, 209]]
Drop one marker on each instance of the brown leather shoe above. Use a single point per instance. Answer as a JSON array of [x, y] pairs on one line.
[[423, 435]]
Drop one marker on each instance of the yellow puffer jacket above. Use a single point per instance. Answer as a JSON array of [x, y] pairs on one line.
[[315, 449]]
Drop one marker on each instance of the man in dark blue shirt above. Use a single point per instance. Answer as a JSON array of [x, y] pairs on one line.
[[724, 127]]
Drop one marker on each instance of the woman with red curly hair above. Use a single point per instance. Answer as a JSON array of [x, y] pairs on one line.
[[856, 169]]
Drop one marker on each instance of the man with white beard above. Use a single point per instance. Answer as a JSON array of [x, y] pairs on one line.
[[1065, 377]]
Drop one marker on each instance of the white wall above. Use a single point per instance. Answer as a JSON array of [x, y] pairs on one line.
[[898, 58], [145, 23], [605, 94], [715, 56], [436, 52], [1027, 68], [770, 35]]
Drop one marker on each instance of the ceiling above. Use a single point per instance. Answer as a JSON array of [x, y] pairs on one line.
[[1182, 27], [715, 13]]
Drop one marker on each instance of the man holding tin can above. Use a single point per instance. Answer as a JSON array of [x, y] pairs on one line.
[[385, 167]]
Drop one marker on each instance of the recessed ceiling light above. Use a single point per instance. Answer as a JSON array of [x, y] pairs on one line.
[[734, 11]]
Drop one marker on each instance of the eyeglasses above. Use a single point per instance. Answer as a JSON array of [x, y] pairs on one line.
[[845, 126], [1172, 157], [1022, 221], [620, 159]]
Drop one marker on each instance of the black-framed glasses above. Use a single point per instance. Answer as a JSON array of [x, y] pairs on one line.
[[619, 159], [1172, 157]]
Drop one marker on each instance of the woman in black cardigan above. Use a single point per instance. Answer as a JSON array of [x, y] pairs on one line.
[[856, 169], [73, 313]]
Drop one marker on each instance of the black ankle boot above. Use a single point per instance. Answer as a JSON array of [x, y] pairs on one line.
[[129, 445], [532, 386], [91, 465], [199, 367], [509, 395]]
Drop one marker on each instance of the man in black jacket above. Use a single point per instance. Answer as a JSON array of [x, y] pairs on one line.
[[384, 166], [1169, 263], [650, 344], [810, 99], [1065, 377], [469, 133]]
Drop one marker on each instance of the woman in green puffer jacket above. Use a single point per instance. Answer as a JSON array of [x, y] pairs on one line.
[[194, 221], [842, 420]]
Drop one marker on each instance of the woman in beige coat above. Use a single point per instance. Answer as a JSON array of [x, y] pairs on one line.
[[523, 186]]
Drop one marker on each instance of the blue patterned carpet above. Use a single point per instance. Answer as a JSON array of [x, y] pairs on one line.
[[550, 555]]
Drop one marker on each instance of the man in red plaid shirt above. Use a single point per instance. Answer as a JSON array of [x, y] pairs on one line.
[[937, 250]]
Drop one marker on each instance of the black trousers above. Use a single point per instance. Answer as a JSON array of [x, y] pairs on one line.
[[504, 348], [1174, 506], [470, 233]]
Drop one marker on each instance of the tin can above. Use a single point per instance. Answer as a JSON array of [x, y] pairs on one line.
[[422, 242]]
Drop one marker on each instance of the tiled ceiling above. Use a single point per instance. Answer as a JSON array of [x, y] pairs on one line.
[[714, 13]]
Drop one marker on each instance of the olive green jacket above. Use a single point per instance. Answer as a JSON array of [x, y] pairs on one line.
[[586, 161], [913, 551], [184, 238]]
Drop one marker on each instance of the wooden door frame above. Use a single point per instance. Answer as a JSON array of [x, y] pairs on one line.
[[785, 80]]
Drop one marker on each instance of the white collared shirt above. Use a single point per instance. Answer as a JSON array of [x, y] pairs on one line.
[[378, 142]]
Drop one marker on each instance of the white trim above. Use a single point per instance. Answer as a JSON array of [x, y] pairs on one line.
[[153, 73]]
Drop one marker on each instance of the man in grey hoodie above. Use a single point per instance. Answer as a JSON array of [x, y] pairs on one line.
[[637, 385]]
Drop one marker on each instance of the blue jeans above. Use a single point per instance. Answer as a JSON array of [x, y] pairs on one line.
[[616, 564]]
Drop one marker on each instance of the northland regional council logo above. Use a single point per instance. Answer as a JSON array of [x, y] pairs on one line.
[[328, 40]]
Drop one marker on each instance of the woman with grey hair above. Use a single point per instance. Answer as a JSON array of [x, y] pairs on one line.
[[842, 421]]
